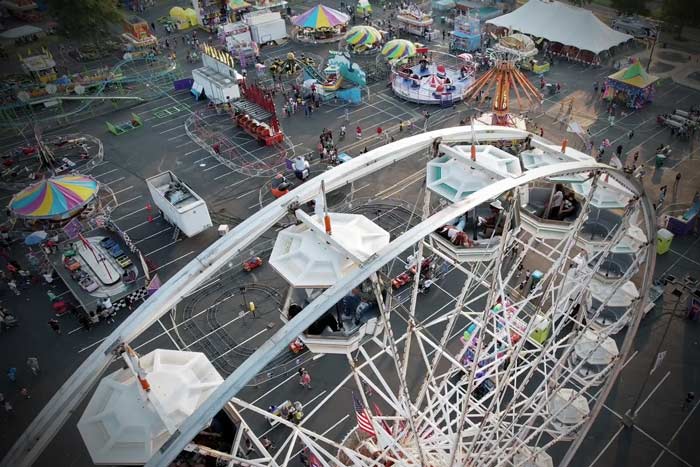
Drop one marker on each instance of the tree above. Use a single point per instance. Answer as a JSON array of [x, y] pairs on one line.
[[581, 2], [630, 7], [85, 19], [681, 13]]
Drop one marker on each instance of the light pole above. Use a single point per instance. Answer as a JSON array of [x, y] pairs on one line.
[[653, 46]]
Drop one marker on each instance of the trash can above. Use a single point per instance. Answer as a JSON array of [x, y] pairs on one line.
[[659, 160], [663, 241], [223, 230]]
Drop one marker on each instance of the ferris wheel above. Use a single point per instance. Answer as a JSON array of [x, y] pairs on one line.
[[486, 330]]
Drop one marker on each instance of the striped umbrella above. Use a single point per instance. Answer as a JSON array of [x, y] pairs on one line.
[[399, 48], [363, 35], [54, 198], [320, 17]]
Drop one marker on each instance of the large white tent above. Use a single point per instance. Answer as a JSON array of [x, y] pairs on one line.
[[566, 24]]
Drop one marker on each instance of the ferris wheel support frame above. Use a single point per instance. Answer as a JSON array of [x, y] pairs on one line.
[[66, 399]]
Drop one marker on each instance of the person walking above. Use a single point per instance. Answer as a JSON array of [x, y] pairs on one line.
[[53, 324], [33, 365], [689, 398], [630, 135], [12, 374], [379, 131], [8, 407], [24, 392], [13, 287], [358, 132], [676, 184], [541, 132], [305, 378]]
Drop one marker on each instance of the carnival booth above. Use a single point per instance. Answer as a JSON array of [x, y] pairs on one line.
[[466, 36], [413, 20], [138, 38], [320, 24], [363, 40], [631, 86]]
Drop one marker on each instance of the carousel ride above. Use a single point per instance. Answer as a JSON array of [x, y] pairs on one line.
[[427, 77], [485, 370], [495, 86], [52, 202], [320, 25], [363, 40]]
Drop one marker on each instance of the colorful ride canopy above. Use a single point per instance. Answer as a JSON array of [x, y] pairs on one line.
[[363, 35], [399, 48], [54, 198], [320, 17]]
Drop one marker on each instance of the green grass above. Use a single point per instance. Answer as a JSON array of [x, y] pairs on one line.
[[607, 3]]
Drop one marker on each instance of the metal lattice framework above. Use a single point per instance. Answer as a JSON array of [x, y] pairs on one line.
[[428, 369], [498, 82]]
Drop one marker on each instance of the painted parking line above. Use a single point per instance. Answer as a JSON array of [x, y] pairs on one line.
[[104, 173], [115, 181], [173, 261], [130, 214], [202, 159], [193, 151], [243, 195], [180, 126], [185, 143], [142, 223], [224, 175], [129, 200], [163, 247], [237, 183], [212, 167], [173, 138], [123, 190], [153, 235]]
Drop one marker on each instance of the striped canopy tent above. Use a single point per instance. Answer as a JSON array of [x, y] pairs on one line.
[[399, 48], [363, 35], [55, 198], [319, 17]]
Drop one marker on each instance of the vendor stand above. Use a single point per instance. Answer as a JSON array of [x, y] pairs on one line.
[[320, 24], [137, 37], [632, 86], [466, 36], [413, 21]]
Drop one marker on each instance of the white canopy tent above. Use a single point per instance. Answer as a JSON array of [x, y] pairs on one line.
[[566, 24]]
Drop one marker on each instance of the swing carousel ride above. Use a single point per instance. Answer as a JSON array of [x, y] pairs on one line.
[[495, 86]]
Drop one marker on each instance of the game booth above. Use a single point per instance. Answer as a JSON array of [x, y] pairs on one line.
[[631, 86], [138, 38], [320, 24], [441, 79], [466, 35]]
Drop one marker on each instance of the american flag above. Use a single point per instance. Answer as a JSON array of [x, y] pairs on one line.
[[363, 420], [378, 412]]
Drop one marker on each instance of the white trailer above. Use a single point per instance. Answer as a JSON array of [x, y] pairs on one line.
[[266, 26], [178, 204], [218, 87]]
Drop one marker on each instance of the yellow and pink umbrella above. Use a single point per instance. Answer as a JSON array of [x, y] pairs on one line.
[[54, 198], [319, 17]]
